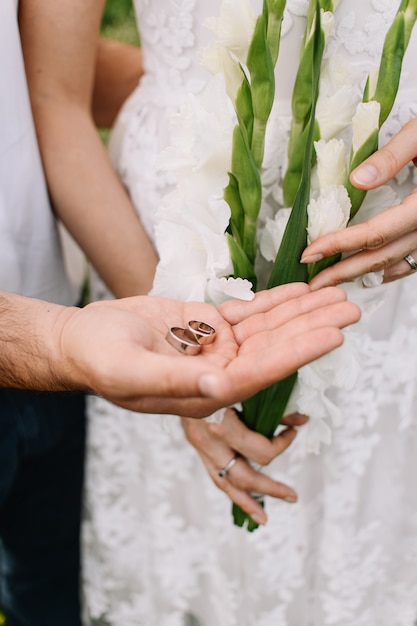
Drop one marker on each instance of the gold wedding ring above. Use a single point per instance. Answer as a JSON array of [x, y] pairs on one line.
[[183, 340], [203, 332]]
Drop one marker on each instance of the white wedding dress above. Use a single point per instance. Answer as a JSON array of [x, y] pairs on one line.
[[160, 546]]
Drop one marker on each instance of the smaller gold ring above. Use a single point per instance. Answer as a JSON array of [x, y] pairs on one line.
[[203, 332], [183, 340]]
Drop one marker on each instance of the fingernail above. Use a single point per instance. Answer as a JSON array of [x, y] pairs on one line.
[[365, 174], [291, 498], [259, 518], [312, 258]]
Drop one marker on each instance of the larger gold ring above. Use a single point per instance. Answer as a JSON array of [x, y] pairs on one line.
[[183, 340]]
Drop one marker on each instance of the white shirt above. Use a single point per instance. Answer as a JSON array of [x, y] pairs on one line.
[[31, 261]]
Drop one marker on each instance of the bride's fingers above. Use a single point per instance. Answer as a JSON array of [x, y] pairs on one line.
[[295, 419], [251, 445], [384, 164], [375, 233], [242, 481], [370, 261], [401, 269]]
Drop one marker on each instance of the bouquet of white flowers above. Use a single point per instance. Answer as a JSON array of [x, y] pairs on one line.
[[216, 206]]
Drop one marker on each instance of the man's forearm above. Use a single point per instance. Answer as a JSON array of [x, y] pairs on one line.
[[29, 341]]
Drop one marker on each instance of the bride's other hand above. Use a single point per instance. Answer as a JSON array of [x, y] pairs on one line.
[[382, 242], [217, 444]]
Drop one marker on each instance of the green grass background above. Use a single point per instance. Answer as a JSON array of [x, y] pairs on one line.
[[119, 21]]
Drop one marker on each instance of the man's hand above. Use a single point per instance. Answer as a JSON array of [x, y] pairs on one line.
[[118, 348]]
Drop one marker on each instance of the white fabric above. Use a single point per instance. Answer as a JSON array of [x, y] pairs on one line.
[[160, 547], [30, 255]]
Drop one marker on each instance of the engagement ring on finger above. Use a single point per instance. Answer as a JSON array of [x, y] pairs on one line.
[[411, 261], [226, 469]]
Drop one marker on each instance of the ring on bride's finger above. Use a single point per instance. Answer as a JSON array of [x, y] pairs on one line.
[[203, 332], [411, 261], [183, 340], [226, 469]]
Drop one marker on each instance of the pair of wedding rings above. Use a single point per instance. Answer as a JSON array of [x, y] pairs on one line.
[[190, 340]]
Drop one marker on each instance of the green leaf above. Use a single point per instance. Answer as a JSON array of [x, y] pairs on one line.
[[294, 170], [237, 212], [262, 83], [248, 180], [287, 267], [357, 196], [244, 108], [240, 518], [246, 173], [390, 68], [274, 10], [303, 86], [265, 410], [261, 71], [316, 268], [242, 266]]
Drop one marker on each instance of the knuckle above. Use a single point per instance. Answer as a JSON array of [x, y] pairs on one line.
[[374, 238], [389, 160], [196, 436], [264, 457], [376, 265]]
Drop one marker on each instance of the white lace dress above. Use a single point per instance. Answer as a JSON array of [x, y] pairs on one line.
[[160, 546]]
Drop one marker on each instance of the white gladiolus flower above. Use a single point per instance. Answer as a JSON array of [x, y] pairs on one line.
[[331, 163], [327, 21], [218, 60], [220, 290], [329, 213], [202, 135], [373, 80], [337, 73], [195, 147], [233, 29], [311, 396], [364, 122], [338, 96], [334, 112], [272, 234], [190, 255]]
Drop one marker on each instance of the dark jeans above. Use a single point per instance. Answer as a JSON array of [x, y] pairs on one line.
[[42, 440]]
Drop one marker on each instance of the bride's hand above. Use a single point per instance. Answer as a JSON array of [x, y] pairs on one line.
[[217, 444], [382, 242]]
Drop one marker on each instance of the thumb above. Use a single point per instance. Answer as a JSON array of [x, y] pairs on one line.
[[384, 164]]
